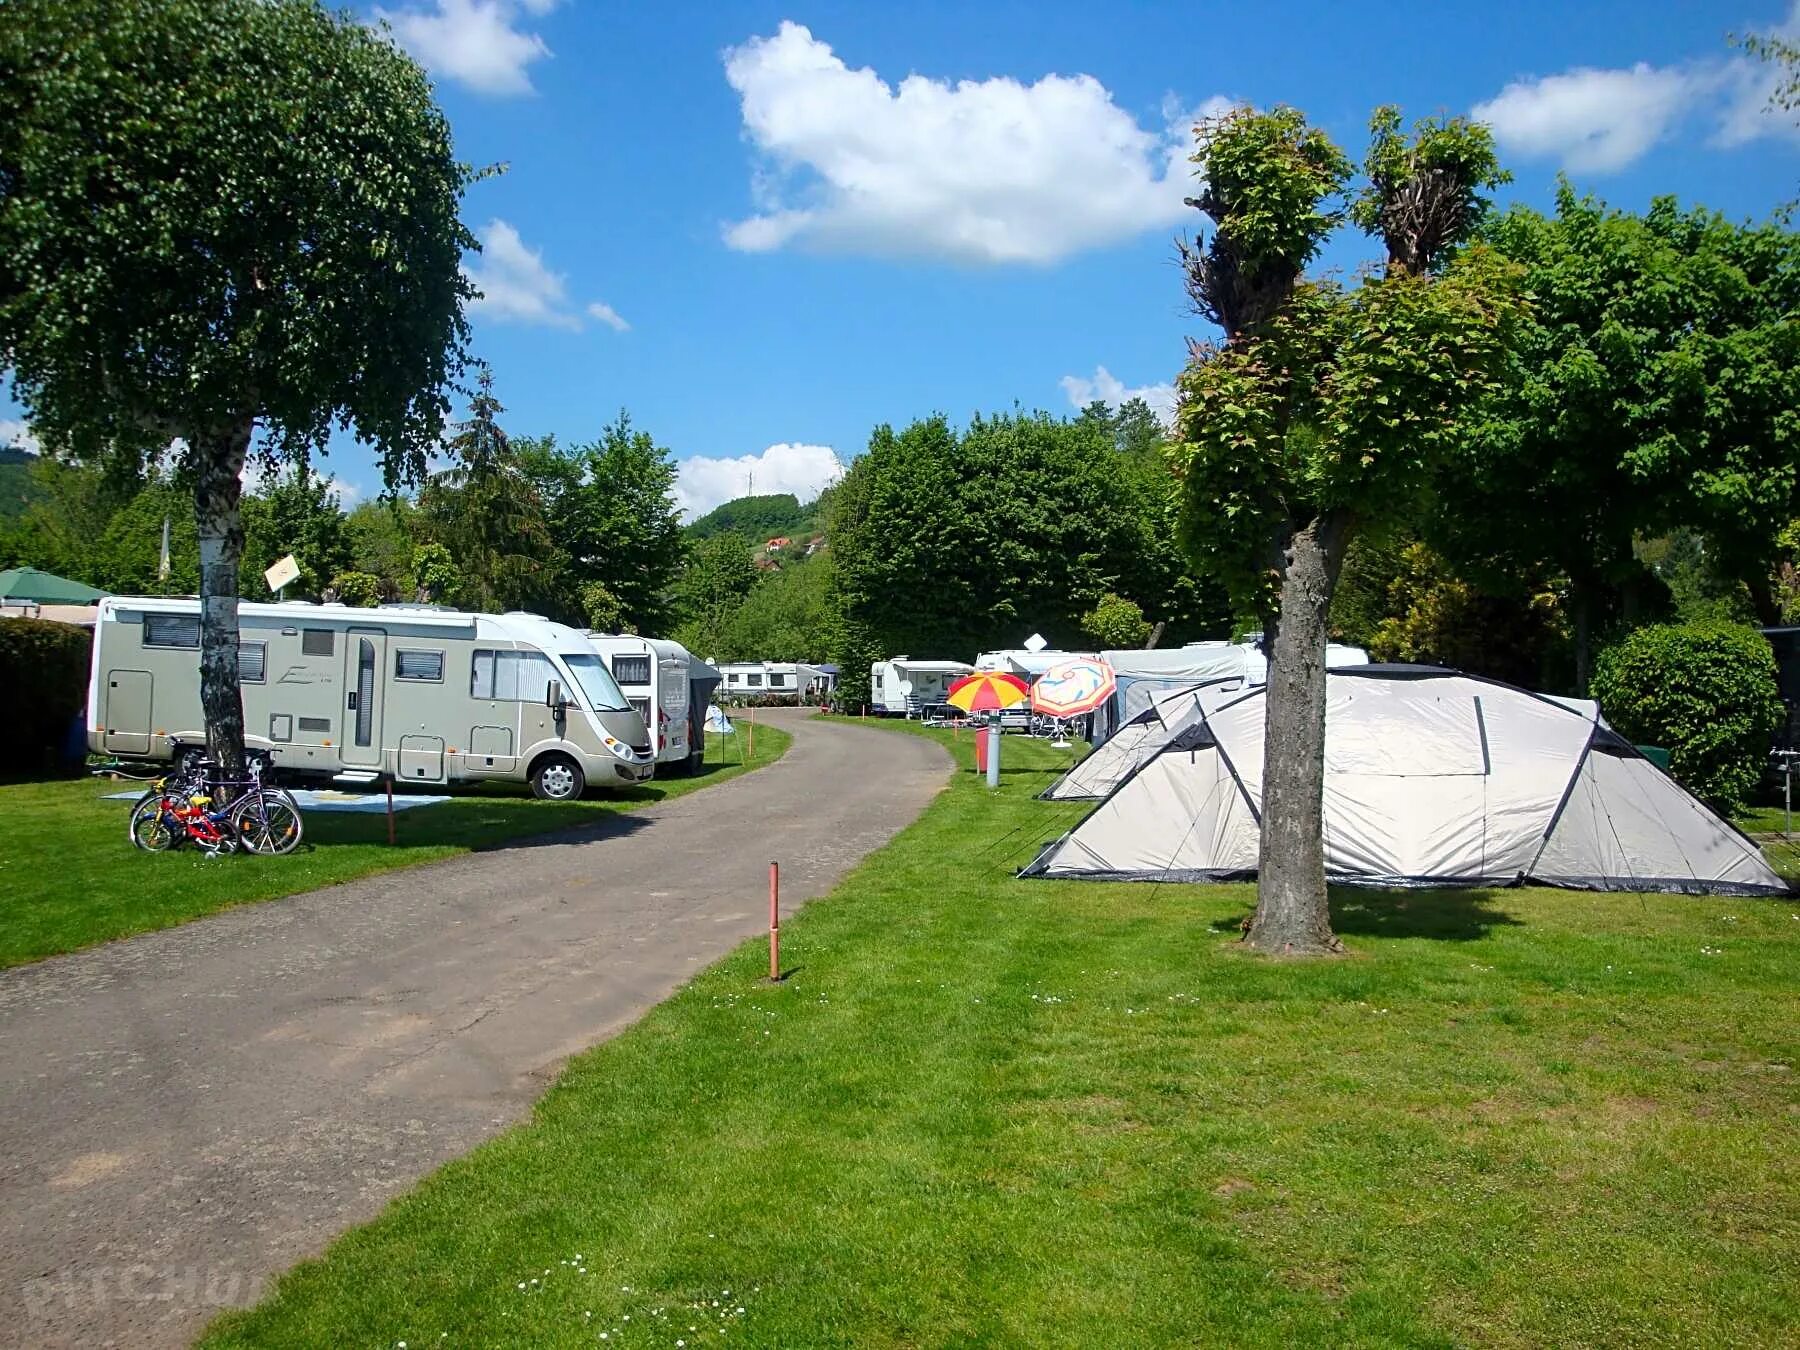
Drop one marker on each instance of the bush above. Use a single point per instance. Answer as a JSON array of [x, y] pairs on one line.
[[362, 589], [1707, 692], [1116, 623], [46, 666]]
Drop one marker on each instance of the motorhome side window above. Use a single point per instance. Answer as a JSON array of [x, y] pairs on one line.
[[755, 680], [253, 662], [316, 641], [776, 681], [171, 630], [521, 676], [414, 664], [631, 669]]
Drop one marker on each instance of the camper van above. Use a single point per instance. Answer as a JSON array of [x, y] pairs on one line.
[[669, 687], [413, 693], [903, 687]]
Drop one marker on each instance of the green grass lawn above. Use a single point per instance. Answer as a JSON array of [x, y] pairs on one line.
[[983, 1111], [69, 877]]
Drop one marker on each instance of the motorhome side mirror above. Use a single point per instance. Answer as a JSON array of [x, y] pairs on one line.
[[553, 695]]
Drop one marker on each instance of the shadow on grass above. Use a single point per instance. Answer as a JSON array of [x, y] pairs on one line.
[[1447, 915]]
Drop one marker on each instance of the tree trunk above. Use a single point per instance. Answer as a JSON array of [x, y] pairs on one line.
[[1581, 597], [218, 490], [1292, 915]]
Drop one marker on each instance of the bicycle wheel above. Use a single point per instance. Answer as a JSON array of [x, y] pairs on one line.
[[151, 827], [267, 822]]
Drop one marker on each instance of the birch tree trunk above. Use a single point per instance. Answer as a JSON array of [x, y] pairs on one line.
[[218, 491], [1292, 915]]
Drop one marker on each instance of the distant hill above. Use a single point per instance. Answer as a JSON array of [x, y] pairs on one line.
[[765, 517], [17, 491]]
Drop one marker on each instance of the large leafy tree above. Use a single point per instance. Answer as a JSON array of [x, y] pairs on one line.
[[1323, 409], [486, 509], [946, 543], [611, 506], [713, 584], [1657, 387], [220, 218]]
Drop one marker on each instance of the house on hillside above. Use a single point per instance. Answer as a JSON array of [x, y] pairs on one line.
[[776, 544]]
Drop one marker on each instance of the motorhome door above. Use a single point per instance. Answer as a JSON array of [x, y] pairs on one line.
[[365, 665]]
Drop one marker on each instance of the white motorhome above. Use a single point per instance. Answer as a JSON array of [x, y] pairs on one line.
[[413, 693], [903, 687], [784, 681], [669, 687]]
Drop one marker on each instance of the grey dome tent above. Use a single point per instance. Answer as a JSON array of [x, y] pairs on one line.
[[1134, 744], [1432, 778]]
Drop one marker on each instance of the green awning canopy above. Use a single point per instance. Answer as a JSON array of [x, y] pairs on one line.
[[45, 588]]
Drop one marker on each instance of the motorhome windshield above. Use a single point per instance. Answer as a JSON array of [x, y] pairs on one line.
[[596, 682]]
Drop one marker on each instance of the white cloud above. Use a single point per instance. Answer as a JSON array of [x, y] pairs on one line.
[[1601, 121], [473, 42], [515, 285], [1110, 389], [982, 171], [609, 316], [703, 481], [17, 435], [1592, 121]]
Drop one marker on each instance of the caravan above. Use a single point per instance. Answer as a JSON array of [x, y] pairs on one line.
[[412, 693], [903, 687], [669, 687]]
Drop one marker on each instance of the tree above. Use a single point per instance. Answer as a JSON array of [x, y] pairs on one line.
[[297, 514], [380, 537], [602, 610], [218, 216], [758, 518], [436, 577], [1655, 389], [1324, 408], [357, 588], [488, 513], [715, 579], [1116, 623], [787, 617], [614, 510], [948, 543]]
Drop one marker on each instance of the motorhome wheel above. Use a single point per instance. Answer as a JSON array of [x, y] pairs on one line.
[[557, 778]]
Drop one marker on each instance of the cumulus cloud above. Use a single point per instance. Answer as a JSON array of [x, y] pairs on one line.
[[980, 171], [1601, 121], [1591, 121], [474, 42], [704, 481], [1110, 389], [17, 435], [609, 316], [515, 285]]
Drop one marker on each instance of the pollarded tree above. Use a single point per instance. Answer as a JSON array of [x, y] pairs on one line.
[[220, 218], [1323, 409]]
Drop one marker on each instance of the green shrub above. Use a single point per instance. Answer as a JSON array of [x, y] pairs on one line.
[[1707, 692], [45, 665], [362, 589], [1116, 622]]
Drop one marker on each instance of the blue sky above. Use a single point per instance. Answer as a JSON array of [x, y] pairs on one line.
[[764, 229]]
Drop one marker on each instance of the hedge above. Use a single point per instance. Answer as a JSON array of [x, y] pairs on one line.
[[45, 666], [1707, 692]]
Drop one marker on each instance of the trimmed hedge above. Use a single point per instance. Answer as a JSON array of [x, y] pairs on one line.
[[44, 666], [1707, 692]]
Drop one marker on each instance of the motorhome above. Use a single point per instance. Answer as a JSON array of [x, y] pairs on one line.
[[903, 687], [411, 693], [777, 681], [669, 687]]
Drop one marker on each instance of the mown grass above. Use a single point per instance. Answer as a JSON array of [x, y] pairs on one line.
[[69, 877], [984, 1111]]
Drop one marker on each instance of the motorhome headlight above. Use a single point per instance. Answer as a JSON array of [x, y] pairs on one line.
[[619, 748]]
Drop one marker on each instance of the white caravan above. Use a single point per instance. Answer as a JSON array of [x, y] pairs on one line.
[[669, 687], [413, 693], [903, 687]]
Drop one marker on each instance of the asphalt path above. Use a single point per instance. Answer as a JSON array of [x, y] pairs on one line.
[[185, 1114]]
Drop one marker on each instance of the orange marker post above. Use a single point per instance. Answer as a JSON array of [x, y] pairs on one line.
[[774, 922], [752, 750]]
